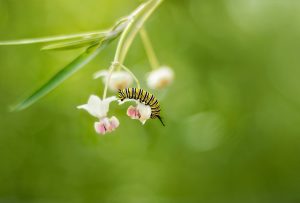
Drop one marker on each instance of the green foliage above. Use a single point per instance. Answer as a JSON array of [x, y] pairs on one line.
[[232, 114], [61, 76], [95, 43], [74, 44], [76, 38]]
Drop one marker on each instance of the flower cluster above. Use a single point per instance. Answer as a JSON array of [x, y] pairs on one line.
[[157, 79], [99, 109], [118, 77]]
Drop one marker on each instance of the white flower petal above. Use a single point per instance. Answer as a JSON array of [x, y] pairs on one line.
[[114, 122], [145, 112], [97, 107], [160, 78], [92, 106], [101, 73], [84, 106], [118, 79], [104, 106], [110, 99]]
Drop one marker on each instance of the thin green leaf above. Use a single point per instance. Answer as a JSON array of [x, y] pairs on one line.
[[74, 44], [90, 53], [52, 39], [61, 76]]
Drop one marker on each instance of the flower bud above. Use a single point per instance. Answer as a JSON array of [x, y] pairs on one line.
[[118, 80], [160, 78]]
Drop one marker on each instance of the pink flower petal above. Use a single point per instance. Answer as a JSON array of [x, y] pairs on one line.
[[106, 124], [114, 122], [100, 128], [133, 113]]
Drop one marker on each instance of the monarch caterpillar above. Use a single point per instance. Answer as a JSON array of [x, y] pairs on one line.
[[143, 97]]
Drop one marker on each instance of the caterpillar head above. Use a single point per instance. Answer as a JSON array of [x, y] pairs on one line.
[[120, 95]]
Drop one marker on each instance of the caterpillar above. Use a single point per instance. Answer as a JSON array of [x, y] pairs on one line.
[[144, 97]]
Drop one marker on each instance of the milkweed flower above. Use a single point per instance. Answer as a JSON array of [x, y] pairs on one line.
[[139, 112], [160, 78], [106, 125], [118, 79], [99, 109]]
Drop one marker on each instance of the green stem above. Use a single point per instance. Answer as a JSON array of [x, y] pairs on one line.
[[137, 20], [149, 49], [131, 73], [115, 62]]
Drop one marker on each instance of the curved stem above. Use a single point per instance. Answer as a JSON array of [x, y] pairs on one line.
[[141, 17], [131, 73], [137, 20], [149, 49], [116, 62]]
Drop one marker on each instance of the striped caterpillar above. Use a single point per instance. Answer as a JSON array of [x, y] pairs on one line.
[[143, 97]]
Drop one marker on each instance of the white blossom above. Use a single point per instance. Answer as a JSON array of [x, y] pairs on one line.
[[140, 112], [160, 78], [118, 79], [99, 109]]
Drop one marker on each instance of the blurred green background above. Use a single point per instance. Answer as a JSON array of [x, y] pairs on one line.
[[232, 114]]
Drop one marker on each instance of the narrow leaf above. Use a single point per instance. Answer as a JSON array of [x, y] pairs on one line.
[[90, 53], [61, 76], [74, 44], [52, 39]]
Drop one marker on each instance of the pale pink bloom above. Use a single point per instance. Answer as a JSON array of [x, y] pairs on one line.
[[140, 112], [99, 109], [133, 113], [118, 80], [160, 78], [106, 125]]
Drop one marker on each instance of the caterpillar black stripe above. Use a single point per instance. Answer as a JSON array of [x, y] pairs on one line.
[[144, 97]]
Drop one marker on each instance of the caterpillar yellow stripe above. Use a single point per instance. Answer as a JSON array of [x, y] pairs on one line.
[[143, 97]]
